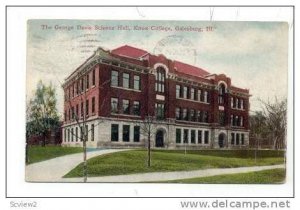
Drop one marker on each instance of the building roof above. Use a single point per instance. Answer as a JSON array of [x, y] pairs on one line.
[[189, 69], [129, 51], [133, 52]]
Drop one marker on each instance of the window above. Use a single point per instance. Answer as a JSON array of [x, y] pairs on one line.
[[242, 104], [192, 94], [73, 113], [206, 96], [242, 121], [82, 84], [206, 137], [137, 82], [193, 136], [77, 110], [69, 114], [73, 91], [77, 88], [114, 132], [87, 81], [92, 132], [239, 103], [199, 95], [237, 139], [221, 94], [72, 134], [125, 104], [125, 80], [126, 133], [94, 77], [184, 114], [65, 135], [231, 120], [87, 107], [115, 78], [185, 92], [199, 116], [231, 102], [160, 111], [178, 135], [81, 111], [136, 136], [114, 105], [234, 103], [185, 136], [177, 110], [242, 139], [205, 116], [178, 89], [93, 105], [76, 134], [81, 133], [222, 118], [136, 108], [160, 80], [232, 138], [192, 115], [68, 135], [236, 121], [86, 132], [199, 137]]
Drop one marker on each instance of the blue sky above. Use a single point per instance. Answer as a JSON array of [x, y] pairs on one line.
[[253, 54]]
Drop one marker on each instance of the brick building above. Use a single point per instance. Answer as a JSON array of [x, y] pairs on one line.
[[115, 90]]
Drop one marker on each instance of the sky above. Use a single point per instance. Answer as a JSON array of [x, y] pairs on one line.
[[253, 54]]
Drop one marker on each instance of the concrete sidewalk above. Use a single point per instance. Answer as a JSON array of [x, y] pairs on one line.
[[165, 176], [54, 169]]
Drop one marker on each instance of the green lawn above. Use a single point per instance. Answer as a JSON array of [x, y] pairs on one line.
[[236, 153], [273, 176], [39, 153], [135, 161]]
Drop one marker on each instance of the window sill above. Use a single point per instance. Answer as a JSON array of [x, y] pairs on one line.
[[188, 121], [201, 102], [128, 89], [239, 109], [125, 115]]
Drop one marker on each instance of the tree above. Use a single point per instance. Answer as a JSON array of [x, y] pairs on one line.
[[276, 121], [148, 128], [42, 112], [258, 129], [270, 123]]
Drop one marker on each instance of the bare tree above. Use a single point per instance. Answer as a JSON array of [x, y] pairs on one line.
[[270, 124], [276, 121], [258, 129], [148, 128]]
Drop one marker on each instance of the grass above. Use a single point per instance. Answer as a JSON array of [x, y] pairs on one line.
[[135, 161], [236, 153], [272, 176], [39, 153]]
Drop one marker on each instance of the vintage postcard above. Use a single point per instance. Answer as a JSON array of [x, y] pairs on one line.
[[202, 102]]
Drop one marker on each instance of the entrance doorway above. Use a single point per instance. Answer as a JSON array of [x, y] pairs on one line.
[[159, 139], [221, 140]]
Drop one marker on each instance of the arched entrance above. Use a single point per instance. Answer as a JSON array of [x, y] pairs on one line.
[[222, 140], [159, 139]]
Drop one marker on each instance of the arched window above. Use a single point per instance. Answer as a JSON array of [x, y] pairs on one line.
[[160, 80], [221, 94]]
